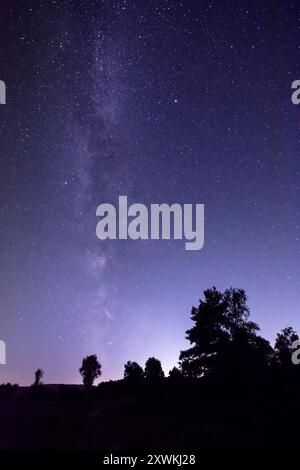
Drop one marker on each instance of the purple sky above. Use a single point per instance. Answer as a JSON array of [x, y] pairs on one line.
[[162, 101]]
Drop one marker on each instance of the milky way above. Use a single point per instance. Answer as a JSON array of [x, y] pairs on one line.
[[162, 101]]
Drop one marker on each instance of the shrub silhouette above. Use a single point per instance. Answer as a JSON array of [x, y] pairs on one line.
[[8, 390], [39, 373]]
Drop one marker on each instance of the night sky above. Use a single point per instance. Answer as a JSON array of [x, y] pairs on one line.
[[162, 101]]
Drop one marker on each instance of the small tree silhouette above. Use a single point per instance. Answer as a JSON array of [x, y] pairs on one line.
[[133, 372], [38, 377], [175, 374], [90, 370], [153, 370]]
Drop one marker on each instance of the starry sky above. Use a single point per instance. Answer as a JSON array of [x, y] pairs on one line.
[[162, 101]]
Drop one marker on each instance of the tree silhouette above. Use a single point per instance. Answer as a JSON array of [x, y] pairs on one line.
[[246, 354], [133, 372], [38, 377], [222, 335], [153, 370], [283, 346], [207, 336], [175, 375], [90, 370]]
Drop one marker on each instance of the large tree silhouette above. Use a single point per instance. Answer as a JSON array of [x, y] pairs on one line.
[[153, 370], [133, 372], [90, 370], [223, 337]]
